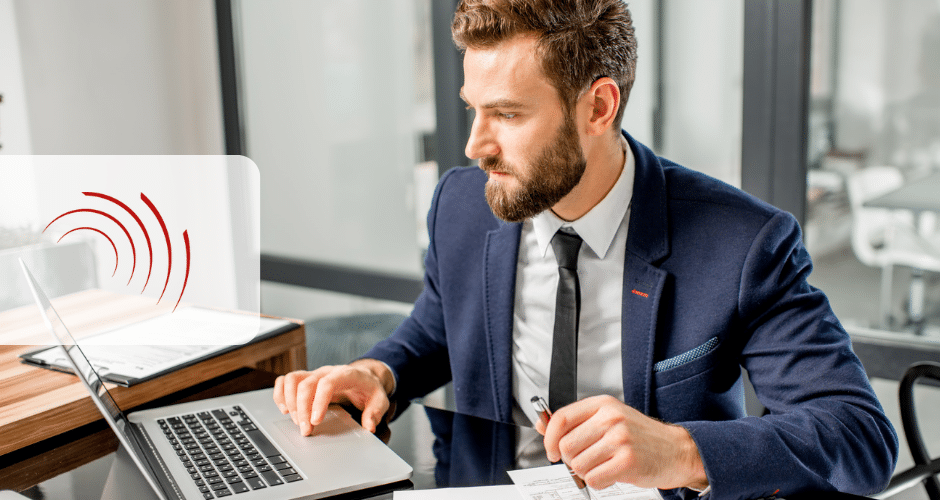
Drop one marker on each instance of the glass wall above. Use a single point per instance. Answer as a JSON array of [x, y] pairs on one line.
[[338, 112], [338, 103], [874, 157]]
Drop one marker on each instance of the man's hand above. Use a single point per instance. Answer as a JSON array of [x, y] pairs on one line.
[[364, 383], [605, 441]]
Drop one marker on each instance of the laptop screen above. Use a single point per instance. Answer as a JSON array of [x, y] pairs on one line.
[[89, 377]]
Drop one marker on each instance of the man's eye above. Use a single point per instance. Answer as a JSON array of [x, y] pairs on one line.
[[507, 116]]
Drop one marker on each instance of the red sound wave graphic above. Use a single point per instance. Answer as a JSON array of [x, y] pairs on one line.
[[140, 223], [102, 234]]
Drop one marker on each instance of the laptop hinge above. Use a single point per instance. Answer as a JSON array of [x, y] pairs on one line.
[[155, 462]]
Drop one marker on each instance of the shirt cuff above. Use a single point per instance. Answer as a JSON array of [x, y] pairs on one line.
[[704, 492]]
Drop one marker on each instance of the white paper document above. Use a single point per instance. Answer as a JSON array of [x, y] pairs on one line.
[[540, 483], [507, 492], [554, 483]]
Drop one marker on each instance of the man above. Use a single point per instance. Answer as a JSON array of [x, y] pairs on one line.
[[682, 281]]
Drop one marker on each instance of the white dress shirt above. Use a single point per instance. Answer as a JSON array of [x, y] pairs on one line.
[[600, 273]]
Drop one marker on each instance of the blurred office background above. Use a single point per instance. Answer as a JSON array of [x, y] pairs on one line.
[[350, 111]]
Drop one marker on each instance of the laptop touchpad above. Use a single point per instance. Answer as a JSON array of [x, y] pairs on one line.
[[337, 427]]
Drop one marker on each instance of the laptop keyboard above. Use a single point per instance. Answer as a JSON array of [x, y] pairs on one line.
[[225, 453]]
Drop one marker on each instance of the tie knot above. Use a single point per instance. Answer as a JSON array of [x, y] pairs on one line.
[[566, 248]]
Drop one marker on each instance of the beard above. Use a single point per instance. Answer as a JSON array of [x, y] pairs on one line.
[[541, 183]]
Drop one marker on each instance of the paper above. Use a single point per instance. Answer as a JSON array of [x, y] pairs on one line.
[[540, 483], [508, 492], [554, 483]]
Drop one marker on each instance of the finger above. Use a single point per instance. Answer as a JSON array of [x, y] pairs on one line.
[[375, 408], [305, 394], [562, 422], [279, 394], [577, 440], [390, 412], [322, 399], [611, 471], [290, 393], [540, 427], [587, 460]]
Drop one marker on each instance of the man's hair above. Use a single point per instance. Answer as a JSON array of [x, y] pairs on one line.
[[578, 41]]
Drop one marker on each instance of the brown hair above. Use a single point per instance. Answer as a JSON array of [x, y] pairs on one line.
[[579, 41]]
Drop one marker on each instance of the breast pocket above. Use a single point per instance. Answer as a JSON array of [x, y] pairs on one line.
[[687, 364]]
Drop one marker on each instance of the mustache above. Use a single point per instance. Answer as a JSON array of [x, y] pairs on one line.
[[493, 163]]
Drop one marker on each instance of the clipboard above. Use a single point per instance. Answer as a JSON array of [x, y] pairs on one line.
[[119, 360]]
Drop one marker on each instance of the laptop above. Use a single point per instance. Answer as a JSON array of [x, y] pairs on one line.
[[237, 446]]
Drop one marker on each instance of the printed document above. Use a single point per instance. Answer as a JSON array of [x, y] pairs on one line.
[[554, 483], [540, 483]]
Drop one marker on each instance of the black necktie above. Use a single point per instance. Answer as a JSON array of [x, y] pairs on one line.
[[563, 375]]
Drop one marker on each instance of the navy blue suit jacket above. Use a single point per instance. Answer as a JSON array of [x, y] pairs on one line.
[[714, 280]]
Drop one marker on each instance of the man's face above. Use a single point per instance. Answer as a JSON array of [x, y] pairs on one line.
[[527, 144]]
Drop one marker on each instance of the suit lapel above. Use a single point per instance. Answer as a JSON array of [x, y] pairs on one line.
[[499, 287], [647, 245], [642, 287]]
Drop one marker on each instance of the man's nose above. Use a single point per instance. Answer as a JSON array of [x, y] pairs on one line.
[[481, 142]]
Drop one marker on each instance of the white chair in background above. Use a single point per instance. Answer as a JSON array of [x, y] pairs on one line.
[[885, 238]]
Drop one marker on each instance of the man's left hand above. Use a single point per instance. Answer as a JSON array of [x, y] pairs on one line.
[[605, 441]]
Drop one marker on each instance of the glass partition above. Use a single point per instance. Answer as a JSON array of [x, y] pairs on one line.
[[874, 156]]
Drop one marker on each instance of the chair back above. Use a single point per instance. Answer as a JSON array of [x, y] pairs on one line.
[[915, 440], [870, 225]]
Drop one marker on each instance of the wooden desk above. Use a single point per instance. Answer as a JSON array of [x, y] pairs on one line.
[[36, 405]]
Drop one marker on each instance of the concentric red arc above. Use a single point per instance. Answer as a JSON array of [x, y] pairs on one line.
[[99, 212], [185, 279], [102, 234], [139, 223], [166, 235]]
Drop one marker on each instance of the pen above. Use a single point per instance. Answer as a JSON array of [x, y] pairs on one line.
[[541, 407]]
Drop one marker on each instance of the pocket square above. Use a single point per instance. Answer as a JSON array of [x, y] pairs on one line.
[[687, 356]]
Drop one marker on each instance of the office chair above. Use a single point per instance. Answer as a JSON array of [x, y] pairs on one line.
[[337, 340], [925, 470]]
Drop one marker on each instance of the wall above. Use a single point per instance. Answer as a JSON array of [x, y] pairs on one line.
[[107, 77], [114, 77], [17, 192]]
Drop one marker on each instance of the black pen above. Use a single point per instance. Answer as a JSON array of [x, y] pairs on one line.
[[541, 407]]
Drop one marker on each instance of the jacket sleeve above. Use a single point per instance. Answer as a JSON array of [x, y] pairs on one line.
[[825, 429], [417, 351]]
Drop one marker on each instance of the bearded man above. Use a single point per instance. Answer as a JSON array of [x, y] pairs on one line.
[[679, 281]]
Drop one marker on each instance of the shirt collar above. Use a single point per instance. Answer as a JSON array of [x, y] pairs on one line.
[[599, 226]]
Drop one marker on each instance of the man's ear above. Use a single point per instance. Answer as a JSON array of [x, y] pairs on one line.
[[602, 101]]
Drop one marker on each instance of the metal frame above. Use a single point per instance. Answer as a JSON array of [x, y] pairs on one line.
[[776, 102], [233, 128], [453, 125]]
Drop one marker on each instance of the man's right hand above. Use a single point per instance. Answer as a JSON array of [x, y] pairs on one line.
[[364, 383]]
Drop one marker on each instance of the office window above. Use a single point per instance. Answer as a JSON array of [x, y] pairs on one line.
[[337, 103], [702, 76], [875, 128]]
